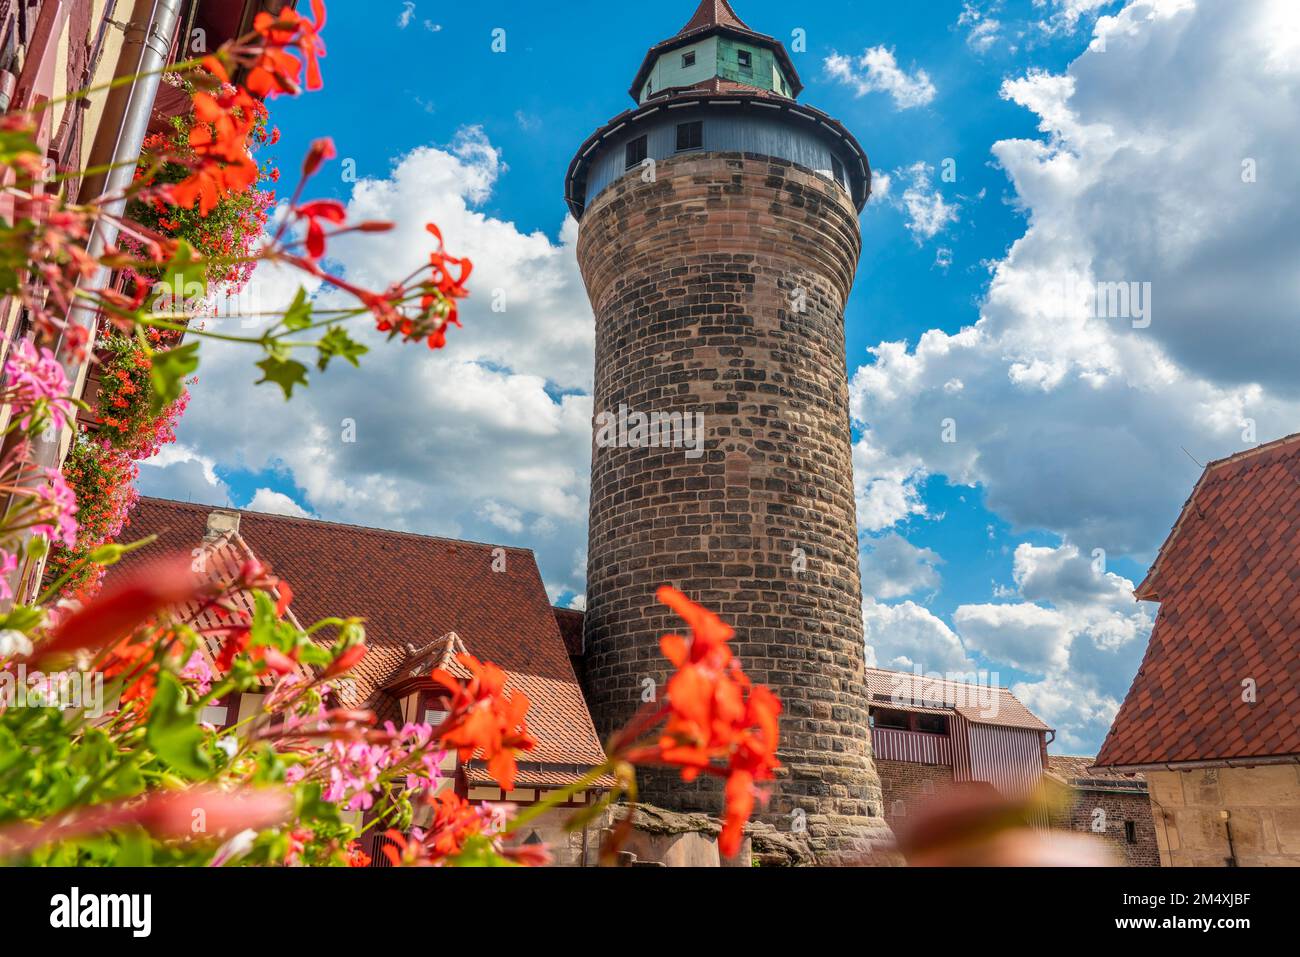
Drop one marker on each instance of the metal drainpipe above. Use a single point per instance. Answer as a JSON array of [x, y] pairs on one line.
[[118, 141], [1232, 850]]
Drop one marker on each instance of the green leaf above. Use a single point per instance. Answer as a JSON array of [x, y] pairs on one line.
[[314, 809], [21, 618], [174, 731], [477, 851], [286, 373], [16, 142], [337, 342], [298, 316], [184, 280], [167, 374], [134, 848]]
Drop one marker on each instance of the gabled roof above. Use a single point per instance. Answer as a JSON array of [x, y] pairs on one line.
[[220, 559], [978, 704], [1228, 583], [421, 662], [421, 597], [1079, 770]]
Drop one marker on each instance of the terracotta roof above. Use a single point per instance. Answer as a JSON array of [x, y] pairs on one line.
[[713, 13], [570, 622], [1073, 768], [1228, 583], [220, 559], [905, 691], [537, 775], [421, 598]]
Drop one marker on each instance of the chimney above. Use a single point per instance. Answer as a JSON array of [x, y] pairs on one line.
[[221, 522]]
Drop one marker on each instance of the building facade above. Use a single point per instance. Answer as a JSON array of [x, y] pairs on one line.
[[931, 734], [1213, 716], [1114, 807], [424, 600], [50, 49], [718, 241]]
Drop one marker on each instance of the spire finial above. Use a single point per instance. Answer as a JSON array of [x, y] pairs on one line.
[[713, 13]]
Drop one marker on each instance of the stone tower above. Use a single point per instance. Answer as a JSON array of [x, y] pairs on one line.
[[718, 241]]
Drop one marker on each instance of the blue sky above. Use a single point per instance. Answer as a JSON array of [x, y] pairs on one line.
[[1013, 549]]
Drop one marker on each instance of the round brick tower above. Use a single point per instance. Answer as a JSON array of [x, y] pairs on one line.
[[718, 241]]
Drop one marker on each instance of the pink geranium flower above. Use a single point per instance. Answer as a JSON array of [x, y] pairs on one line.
[[8, 565], [58, 511], [31, 375]]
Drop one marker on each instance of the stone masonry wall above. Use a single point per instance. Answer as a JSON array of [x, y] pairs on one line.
[[1110, 810], [1263, 805], [719, 289], [906, 786]]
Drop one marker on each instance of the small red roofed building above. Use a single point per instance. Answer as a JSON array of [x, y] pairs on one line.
[[1112, 806], [424, 600], [928, 733], [1213, 716]]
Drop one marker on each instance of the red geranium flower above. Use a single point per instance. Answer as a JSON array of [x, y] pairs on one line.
[[330, 210], [210, 181], [485, 719], [718, 722], [276, 70]]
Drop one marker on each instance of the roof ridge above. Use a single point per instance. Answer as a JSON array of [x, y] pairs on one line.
[[298, 520], [965, 684], [1246, 453], [1148, 581]]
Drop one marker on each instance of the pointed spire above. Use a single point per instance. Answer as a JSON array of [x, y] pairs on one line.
[[713, 13]]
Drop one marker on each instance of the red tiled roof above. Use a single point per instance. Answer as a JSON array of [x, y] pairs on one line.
[[220, 560], [713, 13], [1228, 583], [570, 622], [413, 591], [536, 775], [905, 691], [1071, 767]]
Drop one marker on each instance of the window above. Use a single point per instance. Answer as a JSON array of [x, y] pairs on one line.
[[690, 136], [890, 719], [1130, 832], [837, 170], [435, 716], [215, 715], [745, 59], [932, 723], [688, 59], [635, 152]]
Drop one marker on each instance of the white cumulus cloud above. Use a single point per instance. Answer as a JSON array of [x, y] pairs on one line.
[[1073, 422], [876, 71], [486, 439]]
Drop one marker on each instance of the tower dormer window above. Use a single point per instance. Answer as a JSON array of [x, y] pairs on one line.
[[690, 136], [635, 152], [745, 59], [688, 59]]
